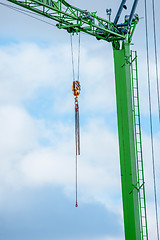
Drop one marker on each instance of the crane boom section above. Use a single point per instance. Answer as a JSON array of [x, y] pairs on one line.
[[75, 20]]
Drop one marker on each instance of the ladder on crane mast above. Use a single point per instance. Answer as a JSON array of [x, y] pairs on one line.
[[138, 146]]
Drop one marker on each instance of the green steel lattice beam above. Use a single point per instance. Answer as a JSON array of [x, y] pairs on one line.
[[75, 20]]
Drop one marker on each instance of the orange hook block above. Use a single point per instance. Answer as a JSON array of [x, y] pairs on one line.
[[76, 88]]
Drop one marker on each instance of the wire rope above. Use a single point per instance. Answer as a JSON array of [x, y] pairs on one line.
[[79, 43], [76, 182], [77, 132], [17, 8], [150, 115], [72, 55], [25, 12], [156, 57]]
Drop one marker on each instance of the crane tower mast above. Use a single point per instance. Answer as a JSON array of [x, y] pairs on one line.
[[120, 35]]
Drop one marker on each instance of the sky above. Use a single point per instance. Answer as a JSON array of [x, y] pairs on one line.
[[37, 149]]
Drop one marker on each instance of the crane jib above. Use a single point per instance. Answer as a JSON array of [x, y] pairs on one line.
[[50, 3]]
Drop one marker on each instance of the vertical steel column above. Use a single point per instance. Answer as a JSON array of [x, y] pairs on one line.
[[127, 149]]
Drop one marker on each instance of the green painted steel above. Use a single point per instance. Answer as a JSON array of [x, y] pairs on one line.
[[127, 149], [75, 20], [138, 146], [130, 143]]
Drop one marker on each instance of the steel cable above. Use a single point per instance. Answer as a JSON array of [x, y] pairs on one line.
[[150, 115], [79, 43], [72, 53], [156, 57], [72, 57], [77, 131], [25, 12]]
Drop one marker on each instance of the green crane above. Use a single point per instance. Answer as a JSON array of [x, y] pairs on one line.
[[76, 20]]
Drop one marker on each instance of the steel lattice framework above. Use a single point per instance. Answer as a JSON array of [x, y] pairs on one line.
[[75, 20]]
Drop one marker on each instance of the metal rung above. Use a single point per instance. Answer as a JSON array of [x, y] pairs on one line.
[[139, 157]]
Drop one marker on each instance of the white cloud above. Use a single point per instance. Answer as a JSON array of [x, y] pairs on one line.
[[26, 162], [97, 165], [147, 155], [17, 129], [152, 230], [149, 187], [18, 137], [143, 85], [26, 67]]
